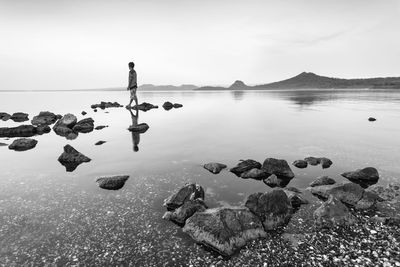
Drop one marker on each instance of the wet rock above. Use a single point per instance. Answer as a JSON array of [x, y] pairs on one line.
[[20, 131], [68, 120], [214, 167], [257, 174], [95, 110], [177, 105], [100, 127], [100, 143], [71, 158], [333, 213], [4, 116], [83, 113], [3, 144], [181, 214], [19, 117], [364, 177], [84, 126], [104, 105], [140, 128], [23, 144], [323, 180], [64, 126], [301, 164], [349, 193], [273, 208], [371, 119], [44, 118], [274, 181], [325, 162], [296, 198], [224, 230], [312, 161], [279, 167], [186, 193], [245, 165], [168, 105], [144, 106], [42, 129], [112, 182]]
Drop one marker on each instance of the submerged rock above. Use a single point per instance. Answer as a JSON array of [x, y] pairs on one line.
[[100, 143], [301, 164], [23, 144], [71, 158], [325, 162], [312, 161], [274, 181], [20, 131], [186, 193], [112, 182], [45, 118], [100, 127], [257, 174], [144, 106], [273, 208], [323, 180], [19, 117], [181, 214], [224, 230], [279, 167], [104, 105], [140, 128], [4, 116], [84, 126], [214, 167], [244, 166], [168, 105], [333, 213], [364, 177]]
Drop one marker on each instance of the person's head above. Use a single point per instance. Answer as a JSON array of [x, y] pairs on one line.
[[131, 65], [136, 148]]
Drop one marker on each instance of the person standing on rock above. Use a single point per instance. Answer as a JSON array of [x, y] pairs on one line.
[[132, 84]]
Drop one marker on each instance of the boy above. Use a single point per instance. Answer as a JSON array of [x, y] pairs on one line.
[[132, 84]]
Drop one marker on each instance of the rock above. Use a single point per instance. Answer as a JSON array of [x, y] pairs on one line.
[[44, 118], [214, 167], [296, 198], [3, 144], [20, 131], [64, 126], [71, 158], [181, 214], [69, 120], [301, 164], [100, 127], [100, 143], [294, 189], [104, 105], [333, 213], [84, 126], [83, 113], [323, 180], [23, 144], [4, 116], [140, 128], [279, 167], [257, 174], [388, 193], [95, 110], [312, 161], [272, 208], [325, 162], [112, 182], [188, 192], [19, 117], [364, 177], [274, 181], [371, 119], [42, 129], [349, 193], [224, 230], [168, 105], [144, 106], [177, 105], [245, 165]]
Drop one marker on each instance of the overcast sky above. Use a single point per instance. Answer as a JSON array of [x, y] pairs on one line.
[[56, 44]]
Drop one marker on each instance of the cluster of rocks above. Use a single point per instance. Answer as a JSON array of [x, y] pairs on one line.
[[24, 131], [104, 105], [168, 105], [144, 106], [313, 161], [69, 126], [71, 158], [16, 117]]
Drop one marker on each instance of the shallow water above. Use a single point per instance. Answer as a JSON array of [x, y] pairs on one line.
[[51, 216]]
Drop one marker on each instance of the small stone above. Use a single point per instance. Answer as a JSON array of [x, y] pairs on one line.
[[301, 164], [214, 167], [112, 182], [23, 144]]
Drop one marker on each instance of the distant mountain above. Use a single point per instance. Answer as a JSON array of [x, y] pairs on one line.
[[152, 87], [237, 85]]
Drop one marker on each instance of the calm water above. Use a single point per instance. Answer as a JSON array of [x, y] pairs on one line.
[[51, 216]]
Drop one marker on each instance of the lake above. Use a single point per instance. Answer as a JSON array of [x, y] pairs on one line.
[[50, 216]]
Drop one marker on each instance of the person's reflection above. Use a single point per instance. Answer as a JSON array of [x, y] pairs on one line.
[[135, 135]]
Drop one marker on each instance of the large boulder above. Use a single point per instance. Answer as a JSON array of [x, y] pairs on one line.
[[364, 177], [45, 118], [224, 230], [112, 182], [186, 193], [4, 116], [19, 117], [20, 131], [140, 128], [214, 167], [84, 126], [323, 180], [71, 158], [274, 181], [144, 106], [333, 213], [349, 193], [279, 167], [301, 164], [244, 166], [181, 214], [257, 174], [273, 208], [23, 144]]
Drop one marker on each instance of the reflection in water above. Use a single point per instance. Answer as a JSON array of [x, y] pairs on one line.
[[135, 135], [238, 95]]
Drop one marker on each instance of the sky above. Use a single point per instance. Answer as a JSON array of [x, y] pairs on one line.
[[86, 44]]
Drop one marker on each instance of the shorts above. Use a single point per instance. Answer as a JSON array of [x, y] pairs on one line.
[[133, 92]]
